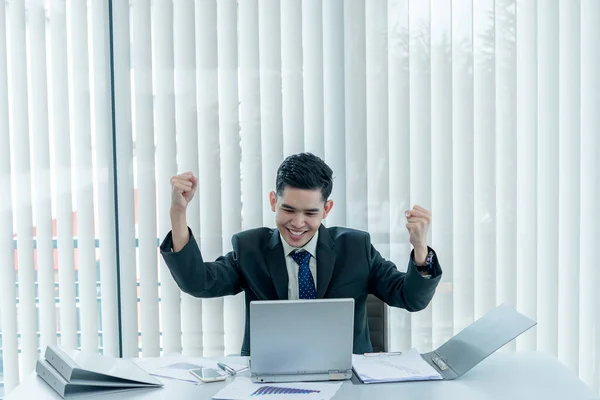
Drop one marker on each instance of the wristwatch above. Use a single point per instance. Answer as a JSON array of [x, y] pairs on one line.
[[428, 266]]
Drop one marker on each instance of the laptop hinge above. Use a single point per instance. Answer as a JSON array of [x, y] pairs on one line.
[[335, 374]]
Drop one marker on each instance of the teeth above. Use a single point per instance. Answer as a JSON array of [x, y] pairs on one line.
[[296, 233]]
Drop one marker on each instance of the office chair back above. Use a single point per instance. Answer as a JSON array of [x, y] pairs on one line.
[[376, 314]]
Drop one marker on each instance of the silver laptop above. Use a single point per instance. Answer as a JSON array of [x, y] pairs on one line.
[[301, 340]]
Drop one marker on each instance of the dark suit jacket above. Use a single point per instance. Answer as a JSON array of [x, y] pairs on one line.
[[348, 266]]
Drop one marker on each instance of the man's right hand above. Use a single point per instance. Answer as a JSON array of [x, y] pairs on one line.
[[183, 188]]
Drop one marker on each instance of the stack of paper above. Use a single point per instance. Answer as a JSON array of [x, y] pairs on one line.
[[394, 367], [72, 372]]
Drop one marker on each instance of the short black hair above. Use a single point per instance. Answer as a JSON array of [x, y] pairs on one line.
[[304, 171]]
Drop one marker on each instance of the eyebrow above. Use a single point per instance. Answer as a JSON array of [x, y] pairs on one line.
[[287, 206]]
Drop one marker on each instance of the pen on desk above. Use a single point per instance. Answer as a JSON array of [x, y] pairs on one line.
[[226, 368], [391, 353]]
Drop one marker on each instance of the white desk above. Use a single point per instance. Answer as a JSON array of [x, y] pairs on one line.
[[502, 376]]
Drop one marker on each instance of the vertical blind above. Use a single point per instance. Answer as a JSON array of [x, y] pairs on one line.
[[486, 112]]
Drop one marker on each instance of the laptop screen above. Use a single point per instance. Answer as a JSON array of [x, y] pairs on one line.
[[289, 337]]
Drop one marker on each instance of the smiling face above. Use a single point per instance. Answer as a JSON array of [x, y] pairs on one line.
[[298, 213]]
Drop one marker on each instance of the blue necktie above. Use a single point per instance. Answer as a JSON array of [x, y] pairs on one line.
[[306, 284]]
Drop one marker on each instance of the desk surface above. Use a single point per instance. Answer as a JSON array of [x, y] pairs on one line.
[[503, 375]]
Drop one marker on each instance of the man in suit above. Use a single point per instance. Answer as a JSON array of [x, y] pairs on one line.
[[301, 259]]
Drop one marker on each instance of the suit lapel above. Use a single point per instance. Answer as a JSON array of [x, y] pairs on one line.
[[277, 268], [325, 261]]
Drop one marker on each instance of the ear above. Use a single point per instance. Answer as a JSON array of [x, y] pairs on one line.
[[328, 207], [273, 200]]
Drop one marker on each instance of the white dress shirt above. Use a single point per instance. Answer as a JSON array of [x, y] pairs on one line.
[[293, 267]]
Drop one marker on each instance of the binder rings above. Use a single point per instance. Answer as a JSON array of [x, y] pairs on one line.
[[71, 372]]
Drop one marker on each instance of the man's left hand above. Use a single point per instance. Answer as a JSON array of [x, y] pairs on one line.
[[418, 221]]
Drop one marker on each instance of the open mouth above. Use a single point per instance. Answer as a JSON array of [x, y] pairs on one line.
[[296, 234]]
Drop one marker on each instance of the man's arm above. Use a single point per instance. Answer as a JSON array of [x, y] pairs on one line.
[[196, 277], [179, 230], [408, 290], [417, 224], [182, 254], [414, 289], [183, 188]]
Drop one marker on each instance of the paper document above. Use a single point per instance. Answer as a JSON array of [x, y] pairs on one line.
[[375, 368], [179, 367], [243, 388]]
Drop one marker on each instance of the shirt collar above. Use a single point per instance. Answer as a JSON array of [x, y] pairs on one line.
[[311, 246]]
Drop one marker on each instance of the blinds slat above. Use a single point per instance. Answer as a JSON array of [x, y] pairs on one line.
[[253, 195], [269, 37], [41, 193], [143, 130], [568, 178], [104, 176], [166, 165], [547, 207], [187, 151], [8, 292], [377, 125], [231, 191], [506, 154], [462, 163], [291, 77], [125, 179], [234, 310], [526, 102], [589, 338], [377, 163], [483, 112], [420, 138], [213, 327], [312, 78], [356, 114], [77, 31], [399, 138], [18, 95], [61, 142], [209, 170], [229, 118], [334, 105], [441, 165]]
